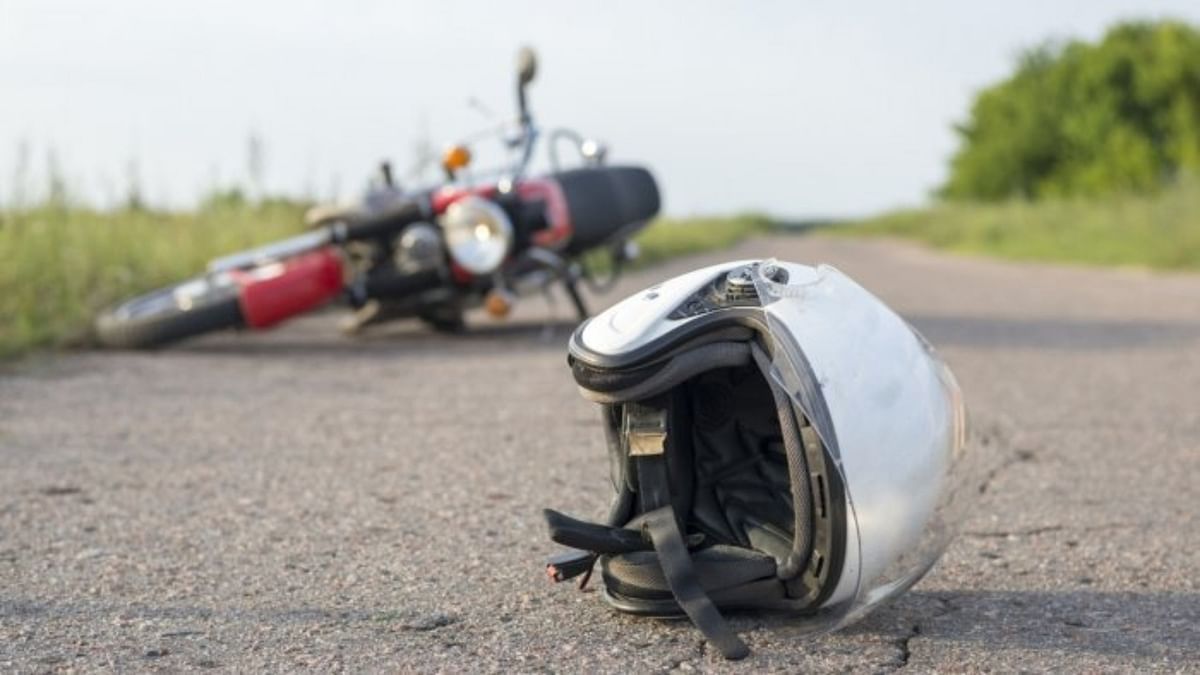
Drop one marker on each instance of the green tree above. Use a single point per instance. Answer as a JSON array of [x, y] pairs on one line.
[[1078, 118]]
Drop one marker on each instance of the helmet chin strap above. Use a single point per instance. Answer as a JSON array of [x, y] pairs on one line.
[[647, 448], [645, 440]]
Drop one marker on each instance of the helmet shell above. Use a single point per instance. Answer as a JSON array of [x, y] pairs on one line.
[[887, 409]]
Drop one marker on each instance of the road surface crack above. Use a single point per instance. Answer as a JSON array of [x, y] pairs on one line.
[[1003, 534], [1034, 531], [996, 435], [903, 643]]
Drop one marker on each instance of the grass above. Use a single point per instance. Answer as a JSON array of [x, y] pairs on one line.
[[59, 265], [671, 237], [1159, 231]]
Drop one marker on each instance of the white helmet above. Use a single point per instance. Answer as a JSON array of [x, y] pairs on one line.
[[779, 439]]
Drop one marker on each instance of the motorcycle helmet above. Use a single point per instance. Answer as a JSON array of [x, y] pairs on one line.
[[778, 439]]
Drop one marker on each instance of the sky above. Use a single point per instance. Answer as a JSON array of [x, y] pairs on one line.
[[799, 109]]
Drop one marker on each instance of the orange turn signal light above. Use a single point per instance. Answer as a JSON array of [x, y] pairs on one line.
[[498, 303], [455, 157]]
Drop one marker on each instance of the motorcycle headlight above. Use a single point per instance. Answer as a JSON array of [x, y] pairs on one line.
[[478, 234]]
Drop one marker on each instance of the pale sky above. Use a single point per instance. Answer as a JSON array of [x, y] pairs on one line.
[[796, 108]]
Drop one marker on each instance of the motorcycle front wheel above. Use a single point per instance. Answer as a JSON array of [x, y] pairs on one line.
[[194, 307]]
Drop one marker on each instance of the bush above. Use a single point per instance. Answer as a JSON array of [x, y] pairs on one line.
[[1086, 119]]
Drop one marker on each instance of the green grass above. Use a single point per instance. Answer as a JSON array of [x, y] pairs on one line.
[[670, 237], [1159, 231], [59, 266]]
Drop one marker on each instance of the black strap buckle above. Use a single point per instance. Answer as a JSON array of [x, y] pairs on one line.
[[570, 564]]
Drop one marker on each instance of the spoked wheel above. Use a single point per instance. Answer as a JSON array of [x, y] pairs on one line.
[[200, 305]]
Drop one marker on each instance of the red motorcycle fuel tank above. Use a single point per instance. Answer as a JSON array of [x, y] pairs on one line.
[[277, 291]]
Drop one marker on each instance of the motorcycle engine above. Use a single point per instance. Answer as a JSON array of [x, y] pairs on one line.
[[418, 248]]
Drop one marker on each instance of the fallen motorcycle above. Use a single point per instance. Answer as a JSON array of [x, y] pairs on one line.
[[430, 254]]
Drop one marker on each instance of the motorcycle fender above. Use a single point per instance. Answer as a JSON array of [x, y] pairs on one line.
[[271, 293]]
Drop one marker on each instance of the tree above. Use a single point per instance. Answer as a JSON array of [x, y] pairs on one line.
[[1086, 119]]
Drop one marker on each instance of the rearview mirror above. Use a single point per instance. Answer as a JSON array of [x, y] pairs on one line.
[[526, 65]]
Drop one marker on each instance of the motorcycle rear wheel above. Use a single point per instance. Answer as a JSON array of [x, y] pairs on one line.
[[167, 315]]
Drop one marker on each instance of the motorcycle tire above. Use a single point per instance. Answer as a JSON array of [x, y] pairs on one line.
[[170, 314]]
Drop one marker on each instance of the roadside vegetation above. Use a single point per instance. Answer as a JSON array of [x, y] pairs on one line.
[[1160, 230], [61, 264], [1089, 153], [671, 237], [1086, 119]]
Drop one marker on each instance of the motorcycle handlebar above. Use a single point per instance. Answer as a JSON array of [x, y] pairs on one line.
[[383, 224]]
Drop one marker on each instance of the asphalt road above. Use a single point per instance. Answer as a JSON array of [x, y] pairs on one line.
[[298, 500]]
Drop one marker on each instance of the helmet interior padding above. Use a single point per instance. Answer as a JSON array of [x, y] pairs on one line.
[[718, 509], [729, 483]]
